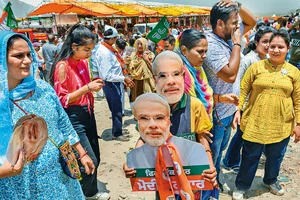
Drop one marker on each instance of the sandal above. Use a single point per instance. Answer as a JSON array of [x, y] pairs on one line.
[[121, 138]]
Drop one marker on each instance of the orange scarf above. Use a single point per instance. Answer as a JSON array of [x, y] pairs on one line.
[[119, 57], [164, 181]]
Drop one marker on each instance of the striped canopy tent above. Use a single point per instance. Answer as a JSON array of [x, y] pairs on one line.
[[67, 8]]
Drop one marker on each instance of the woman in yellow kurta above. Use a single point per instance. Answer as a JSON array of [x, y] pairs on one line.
[[269, 116], [140, 69]]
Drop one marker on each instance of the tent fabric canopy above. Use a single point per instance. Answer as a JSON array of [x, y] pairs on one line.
[[168, 11], [192, 10], [180, 10], [125, 9], [143, 9], [60, 8], [105, 9], [78, 8], [100, 8], [49, 8]]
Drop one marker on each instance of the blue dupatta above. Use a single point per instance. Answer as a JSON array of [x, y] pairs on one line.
[[21, 91]]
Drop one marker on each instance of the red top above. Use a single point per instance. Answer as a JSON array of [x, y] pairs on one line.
[[76, 76]]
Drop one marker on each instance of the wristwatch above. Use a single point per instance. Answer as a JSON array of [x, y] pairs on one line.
[[238, 5]]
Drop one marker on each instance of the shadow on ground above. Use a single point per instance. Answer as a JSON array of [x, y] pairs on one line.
[[127, 113], [102, 186], [257, 188], [106, 135], [127, 122]]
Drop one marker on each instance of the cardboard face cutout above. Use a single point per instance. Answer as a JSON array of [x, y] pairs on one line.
[[193, 159], [30, 135]]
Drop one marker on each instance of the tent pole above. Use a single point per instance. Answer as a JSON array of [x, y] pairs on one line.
[[54, 28], [146, 24]]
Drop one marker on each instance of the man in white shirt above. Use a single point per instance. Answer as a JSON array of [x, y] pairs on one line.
[[106, 66]]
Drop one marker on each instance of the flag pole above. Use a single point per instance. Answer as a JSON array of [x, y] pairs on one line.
[[146, 24]]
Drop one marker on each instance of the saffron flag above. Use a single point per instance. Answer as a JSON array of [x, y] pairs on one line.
[[160, 31], [8, 19]]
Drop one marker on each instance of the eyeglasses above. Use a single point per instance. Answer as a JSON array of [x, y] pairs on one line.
[[177, 75], [158, 119]]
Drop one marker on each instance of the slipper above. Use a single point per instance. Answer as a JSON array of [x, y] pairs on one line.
[[121, 138]]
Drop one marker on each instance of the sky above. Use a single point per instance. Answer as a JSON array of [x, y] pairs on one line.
[[258, 7]]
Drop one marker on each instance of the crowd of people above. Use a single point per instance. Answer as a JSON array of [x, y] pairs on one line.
[[237, 77]]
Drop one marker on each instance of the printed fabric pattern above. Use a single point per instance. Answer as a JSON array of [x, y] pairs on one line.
[[196, 84], [43, 176]]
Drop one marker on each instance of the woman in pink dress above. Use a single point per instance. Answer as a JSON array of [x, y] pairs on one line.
[[71, 80]]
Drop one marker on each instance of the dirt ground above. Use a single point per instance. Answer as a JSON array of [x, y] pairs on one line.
[[113, 155]]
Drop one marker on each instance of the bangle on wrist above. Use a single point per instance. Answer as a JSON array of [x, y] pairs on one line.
[[237, 44], [208, 150], [219, 98], [88, 87], [84, 154]]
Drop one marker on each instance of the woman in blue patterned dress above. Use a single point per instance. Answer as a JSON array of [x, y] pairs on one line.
[[42, 178]]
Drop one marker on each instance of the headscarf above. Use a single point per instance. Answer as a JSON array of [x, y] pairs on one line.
[[196, 84], [21, 91], [138, 68], [144, 44]]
